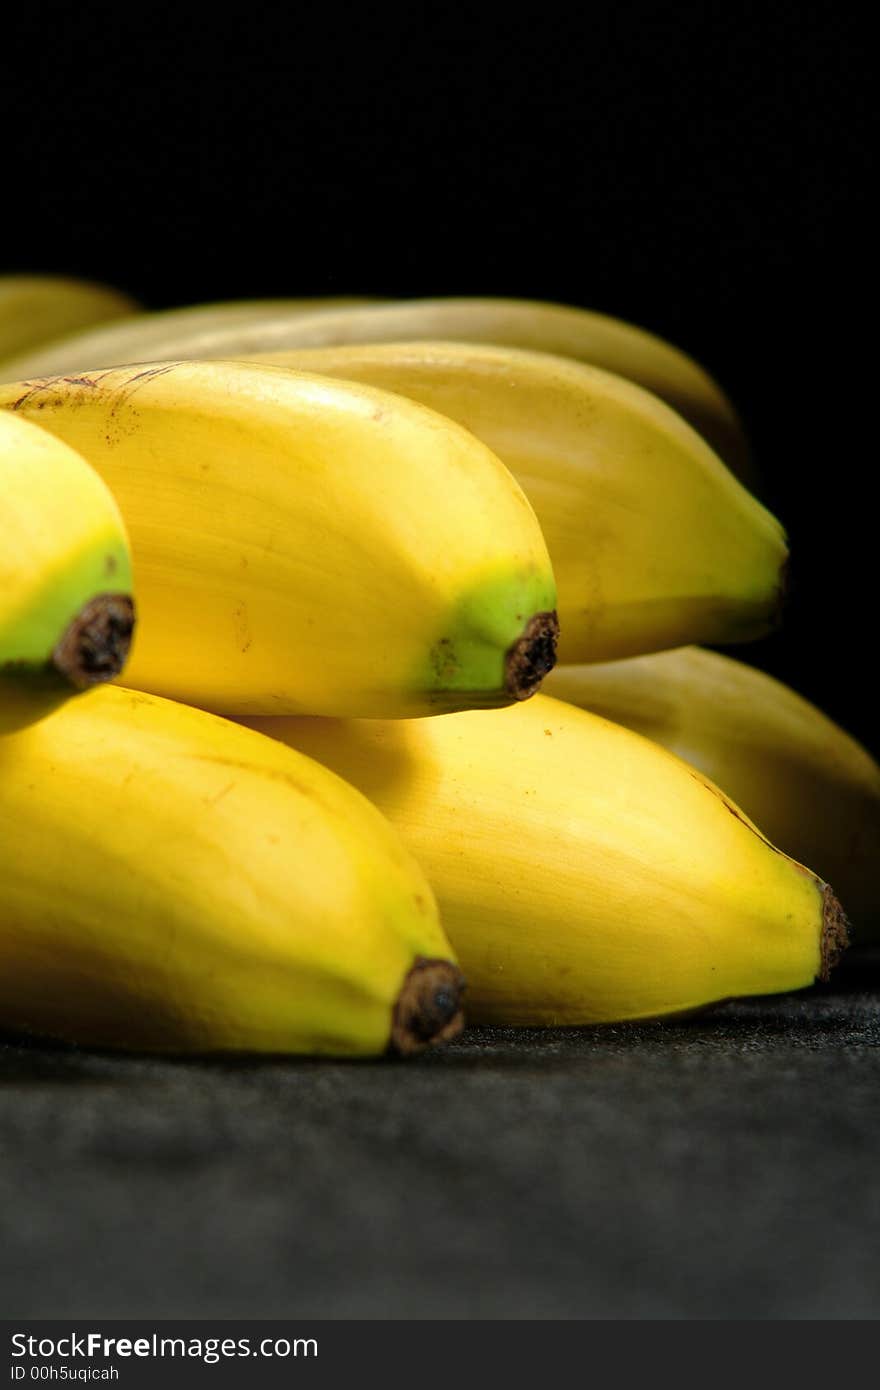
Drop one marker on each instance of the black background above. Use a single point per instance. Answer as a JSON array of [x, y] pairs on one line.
[[702, 171]]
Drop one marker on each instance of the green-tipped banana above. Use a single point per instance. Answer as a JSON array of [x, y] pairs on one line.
[[653, 542], [807, 783], [66, 608], [36, 309], [556, 328], [307, 545]]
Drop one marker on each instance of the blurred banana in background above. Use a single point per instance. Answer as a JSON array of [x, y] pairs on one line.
[[36, 309], [653, 541], [192, 332], [582, 334]]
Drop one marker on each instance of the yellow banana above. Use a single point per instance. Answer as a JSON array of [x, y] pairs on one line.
[[195, 331], [555, 328], [811, 787], [66, 610], [309, 546], [171, 881], [653, 542], [35, 309], [584, 874]]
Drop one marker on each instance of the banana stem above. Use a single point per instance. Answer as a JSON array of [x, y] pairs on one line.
[[532, 656], [96, 644], [428, 1008], [835, 933]]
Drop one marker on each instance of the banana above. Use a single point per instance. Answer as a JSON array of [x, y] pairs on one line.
[[555, 328], [305, 545], [653, 542], [195, 331], [35, 309], [584, 875], [66, 608], [170, 881], [811, 787]]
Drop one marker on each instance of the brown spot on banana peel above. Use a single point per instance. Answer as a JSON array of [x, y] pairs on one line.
[[51, 388], [428, 1009], [274, 774], [95, 646], [50, 385], [444, 661], [532, 656], [733, 809]]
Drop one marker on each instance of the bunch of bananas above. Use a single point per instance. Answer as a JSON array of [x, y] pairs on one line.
[[328, 792]]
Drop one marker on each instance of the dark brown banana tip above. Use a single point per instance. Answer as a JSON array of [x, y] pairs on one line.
[[96, 644], [835, 933], [428, 1008], [532, 657]]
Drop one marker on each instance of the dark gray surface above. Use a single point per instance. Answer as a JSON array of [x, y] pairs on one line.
[[724, 1167]]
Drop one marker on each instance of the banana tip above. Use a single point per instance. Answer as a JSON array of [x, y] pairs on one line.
[[532, 656], [835, 933], [95, 646], [428, 1008]]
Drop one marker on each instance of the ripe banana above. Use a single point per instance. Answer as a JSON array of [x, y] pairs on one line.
[[810, 786], [170, 881], [66, 610], [584, 874], [35, 309], [309, 546], [555, 328], [195, 331], [653, 542]]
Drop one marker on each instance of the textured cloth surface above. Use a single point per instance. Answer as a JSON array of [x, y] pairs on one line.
[[720, 1167]]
